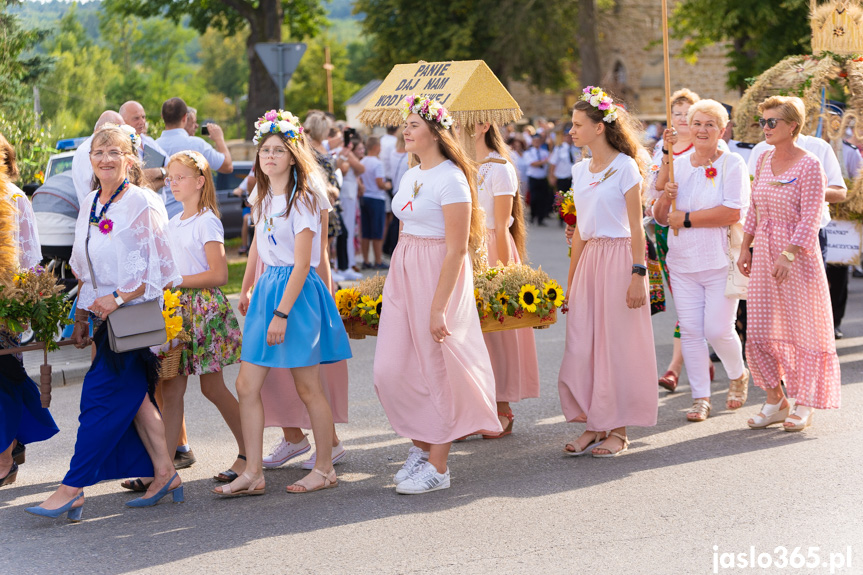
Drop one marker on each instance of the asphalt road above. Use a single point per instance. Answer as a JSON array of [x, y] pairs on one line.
[[683, 498]]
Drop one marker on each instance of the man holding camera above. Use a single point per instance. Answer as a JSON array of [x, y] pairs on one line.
[[175, 138]]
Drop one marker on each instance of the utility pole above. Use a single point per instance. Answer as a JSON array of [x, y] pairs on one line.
[[329, 68]]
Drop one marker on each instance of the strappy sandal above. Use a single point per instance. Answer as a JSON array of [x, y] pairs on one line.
[[770, 413], [738, 390], [611, 453], [699, 411], [330, 481], [254, 488], [805, 413], [229, 475], [507, 430], [136, 485], [669, 381], [598, 438]]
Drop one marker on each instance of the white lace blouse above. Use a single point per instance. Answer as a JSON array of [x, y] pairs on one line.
[[29, 249], [135, 252]]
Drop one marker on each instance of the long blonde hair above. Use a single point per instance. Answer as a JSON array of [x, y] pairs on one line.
[[305, 165], [8, 226], [517, 230], [451, 149], [208, 198]]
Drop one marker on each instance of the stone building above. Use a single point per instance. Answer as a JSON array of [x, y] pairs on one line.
[[630, 38]]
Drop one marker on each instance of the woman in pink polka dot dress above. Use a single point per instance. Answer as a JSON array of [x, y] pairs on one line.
[[790, 326]]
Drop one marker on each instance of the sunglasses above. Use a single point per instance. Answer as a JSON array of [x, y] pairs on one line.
[[769, 122]]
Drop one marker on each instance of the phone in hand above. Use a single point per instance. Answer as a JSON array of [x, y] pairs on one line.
[[205, 131], [349, 133]]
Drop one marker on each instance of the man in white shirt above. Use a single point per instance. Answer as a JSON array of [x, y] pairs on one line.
[[537, 180], [388, 146], [191, 125], [82, 169], [373, 214], [175, 139], [153, 157], [562, 159], [834, 194]]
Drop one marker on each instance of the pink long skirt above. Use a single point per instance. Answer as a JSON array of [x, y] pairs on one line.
[[283, 406], [609, 364], [512, 352], [432, 392]]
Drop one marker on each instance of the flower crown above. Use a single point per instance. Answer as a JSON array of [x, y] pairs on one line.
[[129, 131], [278, 122], [431, 110], [600, 100], [196, 157]]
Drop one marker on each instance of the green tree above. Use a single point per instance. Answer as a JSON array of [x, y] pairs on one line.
[[18, 70], [518, 39], [308, 87], [759, 34], [263, 19]]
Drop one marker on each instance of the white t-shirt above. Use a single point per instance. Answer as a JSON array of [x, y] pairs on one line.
[[188, 238], [350, 186], [822, 151], [600, 199], [274, 234], [702, 249], [374, 170], [422, 195], [563, 158], [496, 180]]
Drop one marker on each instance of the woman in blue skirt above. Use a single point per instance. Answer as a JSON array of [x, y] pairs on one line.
[[121, 244], [22, 418], [292, 320]]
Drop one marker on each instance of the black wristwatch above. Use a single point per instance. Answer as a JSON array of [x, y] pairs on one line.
[[686, 222], [639, 269], [279, 314]]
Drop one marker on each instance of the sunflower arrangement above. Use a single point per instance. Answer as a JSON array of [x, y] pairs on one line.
[[516, 289], [362, 303], [33, 297], [172, 313]]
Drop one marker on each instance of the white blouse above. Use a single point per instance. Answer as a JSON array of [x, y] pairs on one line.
[[495, 180], [29, 248], [188, 238], [423, 194], [274, 233], [701, 249], [600, 199], [135, 252]]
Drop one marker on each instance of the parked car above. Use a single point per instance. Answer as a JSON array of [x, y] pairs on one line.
[[59, 163], [230, 205]]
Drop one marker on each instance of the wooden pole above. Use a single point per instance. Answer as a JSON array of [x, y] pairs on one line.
[[329, 68], [666, 61]]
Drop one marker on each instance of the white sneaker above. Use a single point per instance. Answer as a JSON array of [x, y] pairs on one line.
[[339, 453], [337, 276], [416, 457], [351, 275], [424, 479], [285, 451]]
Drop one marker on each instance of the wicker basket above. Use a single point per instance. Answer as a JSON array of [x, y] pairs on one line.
[[170, 367], [358, 330]]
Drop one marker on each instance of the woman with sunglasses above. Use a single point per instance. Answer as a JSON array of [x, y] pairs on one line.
[[790, 324]]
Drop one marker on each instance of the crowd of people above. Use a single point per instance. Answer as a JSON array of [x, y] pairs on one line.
[[316, 188]]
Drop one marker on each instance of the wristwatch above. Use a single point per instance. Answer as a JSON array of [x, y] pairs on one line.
[[163, 172], [686, 222], [639, 269], [118, 299], [788, 256]]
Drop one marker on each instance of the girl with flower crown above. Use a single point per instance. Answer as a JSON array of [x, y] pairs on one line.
[[432, 370], [606, 378], [712, 193], [291, 320], [22, 418], [121, 256]]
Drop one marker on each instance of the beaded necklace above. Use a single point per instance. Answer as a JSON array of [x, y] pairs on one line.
[[101, 220]]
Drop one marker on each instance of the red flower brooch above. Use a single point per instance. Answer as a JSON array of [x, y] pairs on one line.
[[710, 172]]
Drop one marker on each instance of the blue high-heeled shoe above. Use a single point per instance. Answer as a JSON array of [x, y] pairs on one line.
[[176, 493], [73, 515]]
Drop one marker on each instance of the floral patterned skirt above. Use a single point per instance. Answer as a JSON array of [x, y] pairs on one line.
[[216, 337]]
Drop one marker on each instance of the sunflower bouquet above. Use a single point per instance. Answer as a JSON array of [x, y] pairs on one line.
[[33, 298], [518, 292], [171, 351], [360, 306]]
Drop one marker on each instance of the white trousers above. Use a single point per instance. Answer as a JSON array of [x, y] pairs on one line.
[[706, 315], [349, 217]]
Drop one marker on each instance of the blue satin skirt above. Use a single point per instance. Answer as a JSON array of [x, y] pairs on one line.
[[22, 416]]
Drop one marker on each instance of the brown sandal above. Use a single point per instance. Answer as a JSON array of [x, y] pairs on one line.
[[669, 381], [329, 482], [738, 390], [507, 430], [699, 411]]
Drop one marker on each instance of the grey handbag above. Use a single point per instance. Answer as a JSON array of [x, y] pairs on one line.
[[132, 327]]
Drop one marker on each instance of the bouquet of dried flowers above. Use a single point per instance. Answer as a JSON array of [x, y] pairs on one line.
[[33, 297]]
